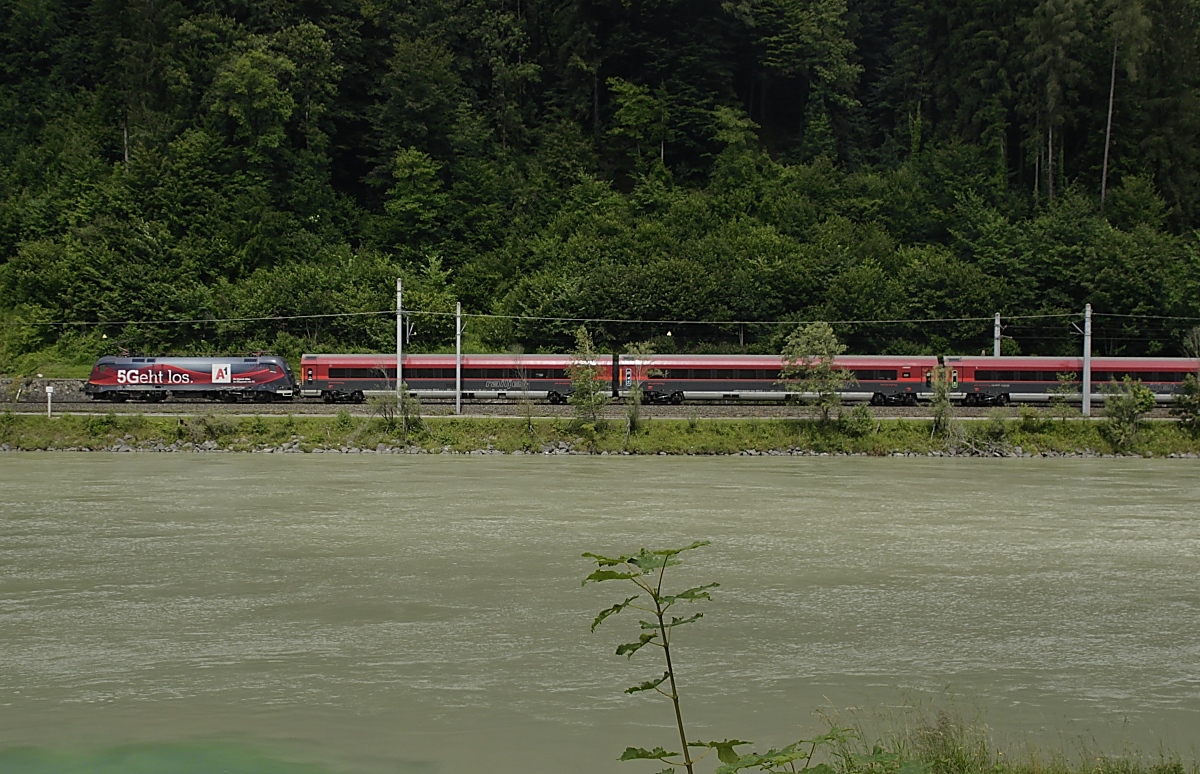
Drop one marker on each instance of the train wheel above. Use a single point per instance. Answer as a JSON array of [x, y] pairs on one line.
[[910, 400], [554, 398], [877, 399], [676, 398], [118, 397], [1001, 400], [358, 397], [229, 397]]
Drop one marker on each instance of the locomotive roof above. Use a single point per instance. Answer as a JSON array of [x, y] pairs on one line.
[[143, 359]]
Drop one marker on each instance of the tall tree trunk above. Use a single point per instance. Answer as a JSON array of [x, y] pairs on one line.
[[1112, 90], [1050, 161]]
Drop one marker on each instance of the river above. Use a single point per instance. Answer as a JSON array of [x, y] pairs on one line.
[[425, 614]]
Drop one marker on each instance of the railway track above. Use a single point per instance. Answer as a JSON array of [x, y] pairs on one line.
[[67, 403]]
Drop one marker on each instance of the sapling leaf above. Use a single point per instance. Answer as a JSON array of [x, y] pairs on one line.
[[642, 754], [611, 611], [599, 576], [674, 551], [725, 751], [629, 648], [605, 561], [673, 622], [654, 560], [649, 685], [691, 595]]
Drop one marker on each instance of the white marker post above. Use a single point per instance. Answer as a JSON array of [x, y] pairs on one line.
[[1087, 360], [399, 345], [458, 359], [49, 399]]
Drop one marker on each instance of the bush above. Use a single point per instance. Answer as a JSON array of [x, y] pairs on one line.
[[1032, 420], [210, 427], [995, 427], [1125, 406], [858, 422], [1187, 406]]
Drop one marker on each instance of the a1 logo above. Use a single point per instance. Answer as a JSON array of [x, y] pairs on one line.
[[221, 373]]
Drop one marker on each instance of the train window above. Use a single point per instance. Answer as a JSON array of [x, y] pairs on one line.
[[699, 373], [874, 374], [361, 373], [139, 360]]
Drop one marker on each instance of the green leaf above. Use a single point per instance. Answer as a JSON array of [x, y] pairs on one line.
[[682, 621], [649, 685], [611, 611], [641, 754], [673, 622], [725, 751], [691, 595], [600, 576], [675, 551], [606, 561], [629, 648]]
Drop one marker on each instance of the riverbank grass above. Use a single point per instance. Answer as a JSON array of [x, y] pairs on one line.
[[994, 437]]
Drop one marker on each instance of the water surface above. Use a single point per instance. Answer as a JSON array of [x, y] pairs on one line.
[[424, 614]]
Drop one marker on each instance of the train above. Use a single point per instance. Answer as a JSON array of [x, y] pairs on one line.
[[881, 380], [227, 379]]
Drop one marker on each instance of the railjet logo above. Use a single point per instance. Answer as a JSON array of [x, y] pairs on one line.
[[221, 373]]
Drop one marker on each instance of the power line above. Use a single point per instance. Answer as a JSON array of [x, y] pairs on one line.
[[1010, 319], [611, 320]]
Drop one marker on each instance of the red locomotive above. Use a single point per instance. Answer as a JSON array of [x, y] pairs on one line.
[[216, 378]]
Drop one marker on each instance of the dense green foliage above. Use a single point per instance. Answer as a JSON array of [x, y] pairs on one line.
[[756, 160], [1036, 434]]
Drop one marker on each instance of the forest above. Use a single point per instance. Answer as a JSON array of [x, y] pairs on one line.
[[233, 176]]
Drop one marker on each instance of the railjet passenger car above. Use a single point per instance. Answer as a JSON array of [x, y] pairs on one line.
[[879, 379], [229, 379]]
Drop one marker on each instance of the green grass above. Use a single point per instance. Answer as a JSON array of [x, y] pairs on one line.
[[946, 743], [509, 435]]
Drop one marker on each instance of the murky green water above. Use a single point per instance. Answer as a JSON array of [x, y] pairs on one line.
[[294, 614]]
